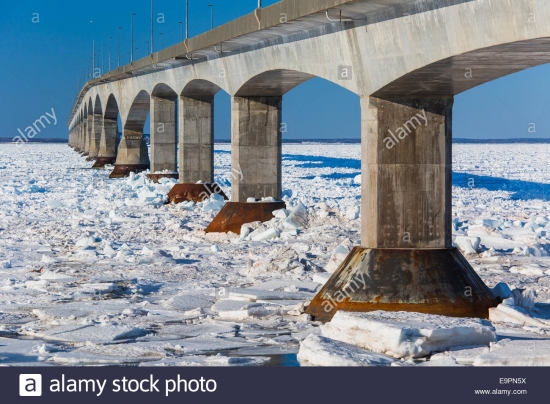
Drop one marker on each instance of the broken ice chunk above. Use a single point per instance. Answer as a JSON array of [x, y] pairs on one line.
[[516, 353], [353, 213], [321, 351], [267, 235], [47, 259], [108, 251], [501, 290], [407, 334], [338, 255], [466, 244], [85, 242], [298, 218], [507, 313], [57, 277], [280, 213]]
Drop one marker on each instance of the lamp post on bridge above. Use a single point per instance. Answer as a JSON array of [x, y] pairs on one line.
[[93, 57], [110, 52], [152, 26], [211, 16], [132, 36], [98, 65], [119, 28], [186, 19]]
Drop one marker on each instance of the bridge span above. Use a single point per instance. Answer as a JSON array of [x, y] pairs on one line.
[[406, 59]]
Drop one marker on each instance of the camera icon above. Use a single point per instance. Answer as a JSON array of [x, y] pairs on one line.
[[30, 385]]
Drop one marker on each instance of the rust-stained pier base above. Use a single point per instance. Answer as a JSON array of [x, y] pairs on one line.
[[407, 261], [234, 214]]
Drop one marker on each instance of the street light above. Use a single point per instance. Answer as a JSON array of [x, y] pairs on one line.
[[103, 59], [259, 3], [110, 52], [132, 42], [211, 16], [98, 65], [119, 28], [181, 22], [152, 27], [93, 57], [186, 19]]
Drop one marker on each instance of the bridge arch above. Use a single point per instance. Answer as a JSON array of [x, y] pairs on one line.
[[163, 129], [133, 153], [109, 134], [196, 134]]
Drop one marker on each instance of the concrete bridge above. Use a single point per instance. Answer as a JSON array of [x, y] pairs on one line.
[[405, 59]]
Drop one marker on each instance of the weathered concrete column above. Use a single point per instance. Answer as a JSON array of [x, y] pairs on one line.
[[163, 135], [89, 131], [406, 262], [132, 154], [85, 139], [406, 173], [81, 136], [95, 136], [256, 147], [196, 139], [107, 143]]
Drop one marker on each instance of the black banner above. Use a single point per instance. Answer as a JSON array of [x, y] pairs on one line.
[[272, 385]]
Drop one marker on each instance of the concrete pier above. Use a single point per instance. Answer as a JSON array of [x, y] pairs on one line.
[[256, 147], [87, 135], [406, 260], [196, 138], [163, 131], [133, 155], [95, 136], [108, 141]]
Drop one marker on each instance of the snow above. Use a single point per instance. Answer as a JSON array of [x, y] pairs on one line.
[[321, 351], [407, 335], [86, 258], [516, 353], [460, 355]]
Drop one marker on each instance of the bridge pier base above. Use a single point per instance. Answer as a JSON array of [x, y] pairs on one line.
[[196, 150], [95, 136], [256, 163], [256, 147], [407, 261], [132, 155], [163, 138], [88, 135], [107, 144]]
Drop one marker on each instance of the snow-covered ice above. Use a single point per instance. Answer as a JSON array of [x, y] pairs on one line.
[[321, 351], [91, 265], [407, 335]]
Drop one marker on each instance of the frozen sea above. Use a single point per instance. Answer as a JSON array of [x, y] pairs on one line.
[[100, 271]]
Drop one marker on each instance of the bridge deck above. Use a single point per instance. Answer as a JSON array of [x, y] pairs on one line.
[[257, 27]]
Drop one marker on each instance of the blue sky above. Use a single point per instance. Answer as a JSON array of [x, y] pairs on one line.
[[43, 62]]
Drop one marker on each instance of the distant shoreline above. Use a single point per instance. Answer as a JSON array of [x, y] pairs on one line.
[[330, 141]]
